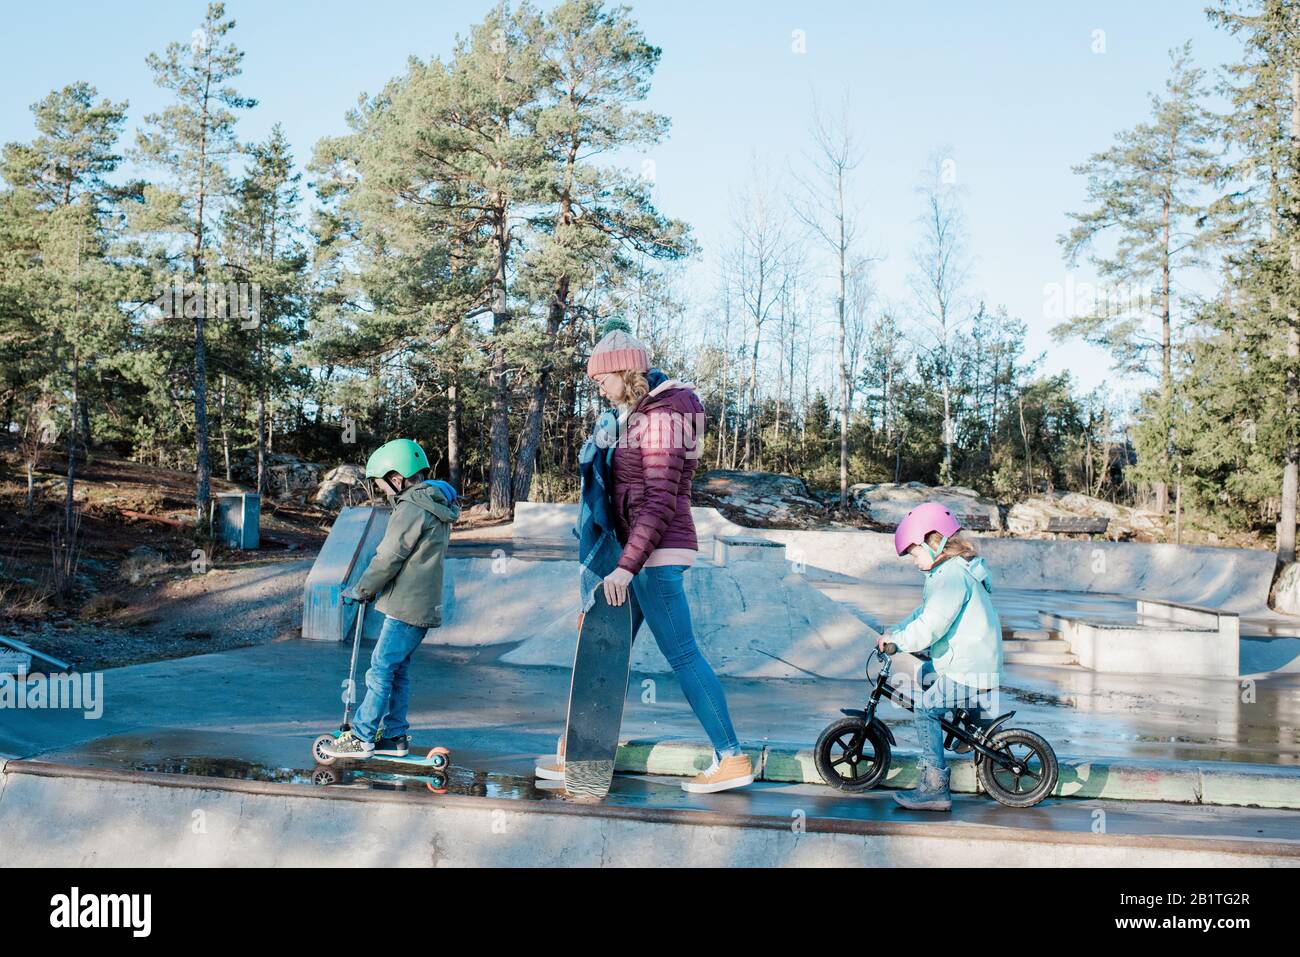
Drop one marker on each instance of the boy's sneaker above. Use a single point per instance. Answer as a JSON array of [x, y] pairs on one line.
[[733, 771], [398, 747], [348, 745]]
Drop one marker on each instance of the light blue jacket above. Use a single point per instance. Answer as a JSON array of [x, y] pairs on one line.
[[958, 623]]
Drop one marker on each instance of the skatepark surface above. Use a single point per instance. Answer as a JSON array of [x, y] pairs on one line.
[[230, 733], [215, 726]]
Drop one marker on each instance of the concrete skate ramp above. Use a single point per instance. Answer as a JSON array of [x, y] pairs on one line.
[[1233, 579], [60, 816], [353, 539], [489, 601], [752, 619]]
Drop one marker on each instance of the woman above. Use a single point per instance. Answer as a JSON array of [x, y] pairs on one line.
[[660, 437]]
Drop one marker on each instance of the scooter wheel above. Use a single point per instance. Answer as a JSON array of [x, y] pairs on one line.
[[438, 758], [1034, 757], [437, 783], [324, 776], [851, 755], [318, 749]]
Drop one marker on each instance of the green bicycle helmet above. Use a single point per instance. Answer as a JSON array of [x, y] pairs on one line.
[[402, 456]]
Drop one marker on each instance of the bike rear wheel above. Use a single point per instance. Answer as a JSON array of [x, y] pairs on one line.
[[1037, 774], [851, 755]]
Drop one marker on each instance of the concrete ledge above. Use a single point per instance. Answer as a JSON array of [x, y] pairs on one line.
[[59, 815], [1154, 645], [1112, 779]]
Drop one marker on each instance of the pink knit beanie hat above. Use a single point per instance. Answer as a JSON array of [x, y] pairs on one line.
[[617, 350]]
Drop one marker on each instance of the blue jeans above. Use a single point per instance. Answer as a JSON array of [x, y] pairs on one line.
[[939, 696], [388, 682], [660, 600]]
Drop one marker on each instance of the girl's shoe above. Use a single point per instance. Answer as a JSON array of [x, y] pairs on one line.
[[733, 771], [550, 770], [398, 747], [348, 745], [931, 794]]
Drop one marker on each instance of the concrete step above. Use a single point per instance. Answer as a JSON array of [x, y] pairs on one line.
[[1038, 658], [1046, 646], [1028, 634]]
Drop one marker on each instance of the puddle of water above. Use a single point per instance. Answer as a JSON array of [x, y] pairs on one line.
[[457, 780]]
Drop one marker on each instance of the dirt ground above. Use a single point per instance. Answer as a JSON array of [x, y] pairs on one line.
[[144, 589]]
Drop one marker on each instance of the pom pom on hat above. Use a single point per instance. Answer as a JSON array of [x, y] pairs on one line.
[[612, 323]]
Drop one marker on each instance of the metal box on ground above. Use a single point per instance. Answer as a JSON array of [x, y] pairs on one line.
[[236, 519]]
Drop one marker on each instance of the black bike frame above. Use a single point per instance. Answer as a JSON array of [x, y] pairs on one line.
[[883, 689]]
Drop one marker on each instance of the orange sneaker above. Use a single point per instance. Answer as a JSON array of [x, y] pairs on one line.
[[734, 771], [549, 771]]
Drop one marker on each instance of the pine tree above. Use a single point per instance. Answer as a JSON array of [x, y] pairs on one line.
[[70, 212], [596, 67], [1149, 190], [1263, 127], [263, 249], [193, 139]]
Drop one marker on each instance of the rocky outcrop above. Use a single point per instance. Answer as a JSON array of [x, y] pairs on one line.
[[1034, 515], [1286, 593], [287, 475], [765, 500], [888, 504], [342, 485]]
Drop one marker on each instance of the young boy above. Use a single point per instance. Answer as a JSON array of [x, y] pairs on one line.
[[406, 574]]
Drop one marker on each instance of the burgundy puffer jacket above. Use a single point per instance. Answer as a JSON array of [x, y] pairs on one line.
[[653, 468]]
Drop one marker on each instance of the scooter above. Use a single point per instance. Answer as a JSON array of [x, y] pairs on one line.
[[438, 759], [1016, 767]]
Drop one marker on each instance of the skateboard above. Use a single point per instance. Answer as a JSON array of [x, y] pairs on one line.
[[601, 666]]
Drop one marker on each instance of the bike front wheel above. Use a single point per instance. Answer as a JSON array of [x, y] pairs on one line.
[[1027, 772]]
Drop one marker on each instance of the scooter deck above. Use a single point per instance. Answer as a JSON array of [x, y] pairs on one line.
[[601, 666], [437, 758], [412, 758]]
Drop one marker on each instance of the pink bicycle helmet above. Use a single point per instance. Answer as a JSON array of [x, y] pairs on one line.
[[921, 521]]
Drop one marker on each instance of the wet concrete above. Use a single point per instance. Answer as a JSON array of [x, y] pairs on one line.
[[462, 698], [283, 759], [882, 605]]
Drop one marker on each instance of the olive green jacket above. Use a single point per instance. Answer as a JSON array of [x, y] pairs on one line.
[[406, 572]]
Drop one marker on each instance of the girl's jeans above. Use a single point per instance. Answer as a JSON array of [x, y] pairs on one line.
[[940, 695], [388, 682], [660, 600]]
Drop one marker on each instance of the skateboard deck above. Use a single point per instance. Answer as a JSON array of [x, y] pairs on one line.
[[601, 665]]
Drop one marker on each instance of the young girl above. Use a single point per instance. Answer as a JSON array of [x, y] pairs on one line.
[[957, 623]]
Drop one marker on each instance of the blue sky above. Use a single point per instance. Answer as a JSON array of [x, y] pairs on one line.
[[1015, 90]]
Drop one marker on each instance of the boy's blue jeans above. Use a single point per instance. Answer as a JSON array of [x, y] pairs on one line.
[[388, 682], [660, 600], [938, 696]]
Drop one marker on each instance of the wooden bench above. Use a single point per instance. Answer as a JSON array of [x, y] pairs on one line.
[[1078, 526]]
